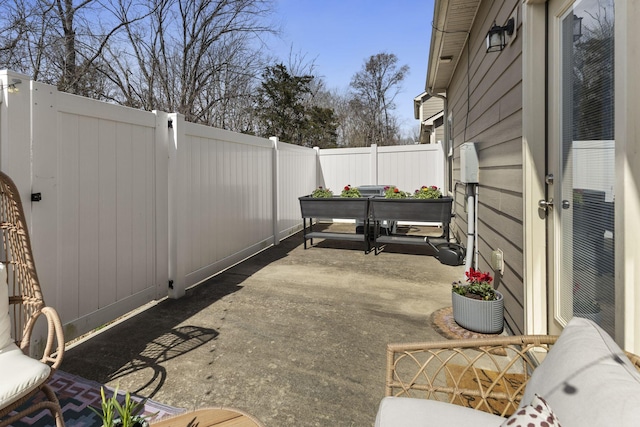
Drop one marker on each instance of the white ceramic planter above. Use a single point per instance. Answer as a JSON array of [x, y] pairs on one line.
[[486, 317]]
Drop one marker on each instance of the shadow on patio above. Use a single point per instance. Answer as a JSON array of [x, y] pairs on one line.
[[292, 336]]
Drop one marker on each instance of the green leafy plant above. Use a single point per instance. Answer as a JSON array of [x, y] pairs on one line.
[[128, 411], [425, 192], [478, 286], [393, 192], [321, 192], [349, 191], [108, 409]]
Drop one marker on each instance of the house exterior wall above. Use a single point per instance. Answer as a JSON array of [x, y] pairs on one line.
[[489, 113], [430, 108]]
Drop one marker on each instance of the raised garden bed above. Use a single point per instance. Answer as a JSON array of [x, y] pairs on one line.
[[335, 208], [416, 210]]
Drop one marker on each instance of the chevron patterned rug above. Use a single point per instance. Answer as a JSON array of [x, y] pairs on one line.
[[76, 395]]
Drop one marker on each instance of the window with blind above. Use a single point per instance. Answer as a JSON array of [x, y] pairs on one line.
[[586, 257]]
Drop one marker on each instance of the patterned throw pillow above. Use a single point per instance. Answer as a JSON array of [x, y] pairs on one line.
[[536, 414]]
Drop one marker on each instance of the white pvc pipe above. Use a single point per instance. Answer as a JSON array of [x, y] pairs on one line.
[[471, 214], [475, 230]]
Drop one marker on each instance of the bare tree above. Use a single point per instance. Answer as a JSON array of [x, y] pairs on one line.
[[200, 58], [196, 57], [60, 42], [375, 88]]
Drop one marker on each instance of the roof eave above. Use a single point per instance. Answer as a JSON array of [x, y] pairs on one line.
[[417, 103], [448, 40], [436, 41]]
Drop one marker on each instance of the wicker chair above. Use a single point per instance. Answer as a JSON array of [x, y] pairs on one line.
[[487, 374], [23, 376]]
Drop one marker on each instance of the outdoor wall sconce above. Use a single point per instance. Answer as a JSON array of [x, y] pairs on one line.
[[497, 35]]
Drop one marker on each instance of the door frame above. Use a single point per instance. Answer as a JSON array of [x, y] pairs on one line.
[[627, 163], [627, 110], [534, 164]]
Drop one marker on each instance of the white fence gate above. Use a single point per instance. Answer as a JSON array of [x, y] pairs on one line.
[[136, 205], [94, 231]]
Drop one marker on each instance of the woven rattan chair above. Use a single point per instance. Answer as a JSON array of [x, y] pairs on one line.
[[487, 374], [22, 376]]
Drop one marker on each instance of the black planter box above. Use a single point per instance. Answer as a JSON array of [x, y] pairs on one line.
[[417, 210], [334, 208]]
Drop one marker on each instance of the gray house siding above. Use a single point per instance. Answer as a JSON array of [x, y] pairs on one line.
[[430, 108], [495, 122]]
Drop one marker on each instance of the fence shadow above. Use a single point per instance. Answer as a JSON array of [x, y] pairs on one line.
[[141, 344]]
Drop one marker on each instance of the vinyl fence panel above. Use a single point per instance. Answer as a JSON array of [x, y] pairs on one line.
[[296, 177], [406, 166], [411, 166], [224, 200]]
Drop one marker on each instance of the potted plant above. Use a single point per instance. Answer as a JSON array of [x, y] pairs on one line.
[[321, 193], [321, 203], [394, 193], [349, 191], [125, 414], [428, 192], [477, 306]]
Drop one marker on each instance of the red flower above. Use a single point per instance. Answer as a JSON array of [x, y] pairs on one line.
[[346, 188], [395, 190], [477, 276]]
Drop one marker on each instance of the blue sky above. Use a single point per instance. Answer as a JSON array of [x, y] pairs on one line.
[[340, 35]]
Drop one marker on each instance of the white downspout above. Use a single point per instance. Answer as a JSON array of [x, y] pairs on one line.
[[471, 223], [475, 231]]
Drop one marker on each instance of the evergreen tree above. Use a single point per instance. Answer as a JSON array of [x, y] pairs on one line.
[[283, 110]]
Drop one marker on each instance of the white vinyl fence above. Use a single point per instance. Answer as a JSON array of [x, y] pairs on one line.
[[136, 206], [408, 167]]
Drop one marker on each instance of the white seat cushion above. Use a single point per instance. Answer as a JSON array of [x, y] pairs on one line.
[[20, 374], [587, 380], [410, 412]]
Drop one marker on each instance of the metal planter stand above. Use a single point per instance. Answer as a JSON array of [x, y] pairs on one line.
[[334, 207], [486, 317]]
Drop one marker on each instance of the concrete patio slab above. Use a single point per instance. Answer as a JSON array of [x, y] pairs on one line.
[[294, 337]]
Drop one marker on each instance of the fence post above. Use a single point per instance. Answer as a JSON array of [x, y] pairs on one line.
[[162, 202], [319, 178], [373, 177], [276, 191], [177, 205], [15, 133]]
